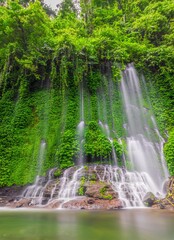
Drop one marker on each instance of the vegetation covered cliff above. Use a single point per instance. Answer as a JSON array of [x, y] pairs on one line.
[[49, 61]]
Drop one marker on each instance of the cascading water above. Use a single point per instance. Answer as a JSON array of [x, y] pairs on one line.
[[130, 186], [106, 131], [34, 190], [80, 128], [144, 150], [144, 153], [41, 156], [69, 185]]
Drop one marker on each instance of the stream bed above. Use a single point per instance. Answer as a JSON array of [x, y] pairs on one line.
[[129, 224]]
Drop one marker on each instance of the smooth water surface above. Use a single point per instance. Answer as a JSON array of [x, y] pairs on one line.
[[130, 224]]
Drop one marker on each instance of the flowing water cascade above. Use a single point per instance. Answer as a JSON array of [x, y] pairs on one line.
[[81, 128], [34, 190], [131, 187], [68, 186], [144, 153], [41, 156], [144, 143], [123, 152], [105, 95], [106, 131]]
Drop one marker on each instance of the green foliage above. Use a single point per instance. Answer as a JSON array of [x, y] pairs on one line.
[[169, 152], [81, 190], [118, 148], [57, 173], [96, 143], [104, 194], [67, 150]]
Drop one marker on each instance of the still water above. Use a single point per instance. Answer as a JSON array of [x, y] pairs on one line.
[[87, 225]]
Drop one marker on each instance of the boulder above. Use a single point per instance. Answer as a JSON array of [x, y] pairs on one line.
[[149, 199], [100, 190], [91, 201]]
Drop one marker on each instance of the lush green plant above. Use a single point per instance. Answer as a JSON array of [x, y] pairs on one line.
[[96, 143], [169, 152], [57, 173], [67, 150], [104, 195], [81, 190]]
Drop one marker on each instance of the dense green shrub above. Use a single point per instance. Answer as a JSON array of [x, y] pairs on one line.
[[169, 152]]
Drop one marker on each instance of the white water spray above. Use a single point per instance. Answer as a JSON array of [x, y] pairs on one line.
[[144, 154]]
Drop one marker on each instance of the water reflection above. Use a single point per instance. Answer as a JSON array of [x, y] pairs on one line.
[[83, 225]]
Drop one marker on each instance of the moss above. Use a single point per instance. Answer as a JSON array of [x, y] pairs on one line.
[[92, 177], [104, 194], [57, 173], [81, 190], [86, 168]]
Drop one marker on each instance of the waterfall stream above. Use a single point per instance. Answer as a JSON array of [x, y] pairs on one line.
[[144, 142], [81, 127], [147, 166], [131, 187], [35, 190]]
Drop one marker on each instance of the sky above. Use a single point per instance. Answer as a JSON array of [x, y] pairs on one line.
[[52, 3]]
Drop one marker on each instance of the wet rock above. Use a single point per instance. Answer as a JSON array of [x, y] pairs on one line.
[[24, 202], [93, 190], [167, 202], [10, 194], [101, 204], [100, 190], [161, 206], [91, 201], [149, 199]]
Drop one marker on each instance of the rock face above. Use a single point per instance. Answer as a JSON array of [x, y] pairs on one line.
[[100, 190], [149, 199], [10, 194], [168, 201]]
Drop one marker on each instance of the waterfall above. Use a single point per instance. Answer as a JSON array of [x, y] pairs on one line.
[[41, 156], [34, 190], [81, 127], [144, 151], [69, 186], [130, 186], [106, 131]]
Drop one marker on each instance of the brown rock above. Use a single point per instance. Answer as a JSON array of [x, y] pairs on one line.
[[100, 190], [101, 204], [90, 201], [24, 202]]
